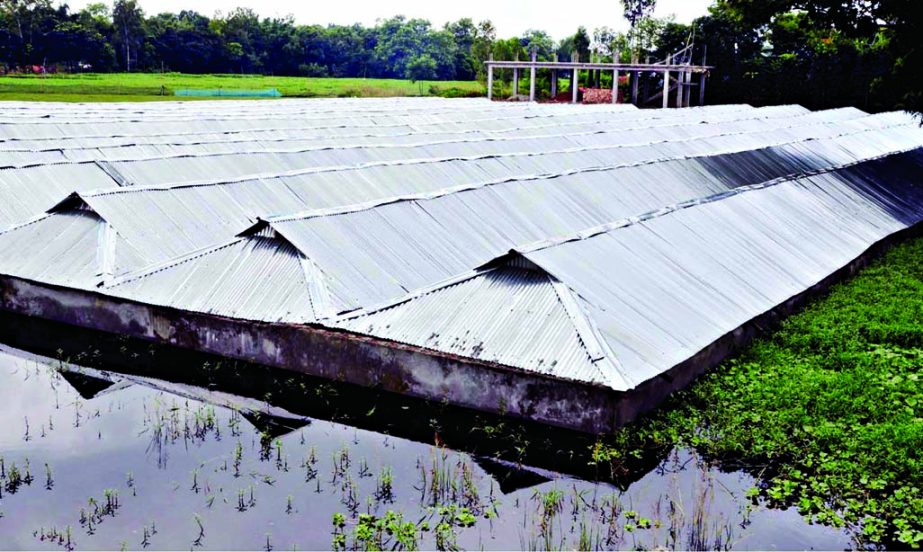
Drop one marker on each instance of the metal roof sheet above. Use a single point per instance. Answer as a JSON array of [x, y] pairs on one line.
[[662, 288], [657, 231]]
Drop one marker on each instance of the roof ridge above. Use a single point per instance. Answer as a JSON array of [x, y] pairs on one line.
[[156, 268], [599, 352], [18, 225], [409, 296]]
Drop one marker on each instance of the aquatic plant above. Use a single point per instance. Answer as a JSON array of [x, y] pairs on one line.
[[384, 490]]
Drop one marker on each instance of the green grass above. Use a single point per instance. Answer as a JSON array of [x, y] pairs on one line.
[[147, 86], [827, 411]]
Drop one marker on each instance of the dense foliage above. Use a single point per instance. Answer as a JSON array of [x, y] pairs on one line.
[[828, 411], [818, 53]]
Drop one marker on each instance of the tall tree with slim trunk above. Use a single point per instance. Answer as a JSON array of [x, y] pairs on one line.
[[128, 20], [635, 12]]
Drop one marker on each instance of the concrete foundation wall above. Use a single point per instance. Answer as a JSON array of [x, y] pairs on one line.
[[328, 354]]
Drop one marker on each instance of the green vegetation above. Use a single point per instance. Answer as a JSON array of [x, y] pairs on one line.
[[828, 411], [154, 86]]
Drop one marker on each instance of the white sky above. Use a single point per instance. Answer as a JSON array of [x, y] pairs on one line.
[[511, 17]]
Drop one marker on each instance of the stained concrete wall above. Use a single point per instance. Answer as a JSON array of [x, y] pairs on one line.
[[334, 355]]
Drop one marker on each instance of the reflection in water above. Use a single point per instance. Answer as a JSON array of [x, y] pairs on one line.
[[97, 458]]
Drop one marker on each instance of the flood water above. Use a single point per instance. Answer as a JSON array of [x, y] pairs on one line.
[[97, 458]]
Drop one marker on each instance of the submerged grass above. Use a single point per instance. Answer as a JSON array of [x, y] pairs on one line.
[[827, 411]]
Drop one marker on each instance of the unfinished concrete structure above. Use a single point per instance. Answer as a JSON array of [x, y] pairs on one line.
[[676, 71], [569, 265]]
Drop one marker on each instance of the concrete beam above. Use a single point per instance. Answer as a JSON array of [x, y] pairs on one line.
[[646, 67]]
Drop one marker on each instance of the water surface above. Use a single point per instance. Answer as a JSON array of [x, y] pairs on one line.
[[110, 459]]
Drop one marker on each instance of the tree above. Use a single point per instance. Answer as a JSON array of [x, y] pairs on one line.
[[538, 41], [128, 20], [635, 12], [421, 68], [464, 33], [604, 40], [890, 27], [581, 42], [482, 46], [26, 22]]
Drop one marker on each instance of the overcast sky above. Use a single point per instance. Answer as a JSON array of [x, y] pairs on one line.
[[511, 17]]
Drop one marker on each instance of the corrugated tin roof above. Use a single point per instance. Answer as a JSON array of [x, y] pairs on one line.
[[639, 237], [664, 287], [295, 139], [171, 222], [174, 221], [367, 256]]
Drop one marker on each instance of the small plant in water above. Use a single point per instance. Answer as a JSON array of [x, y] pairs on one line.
[[384, 491], [198, 521], [238, 456]]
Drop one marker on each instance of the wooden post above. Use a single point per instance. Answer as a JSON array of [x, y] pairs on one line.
[[666, 84], [702, 78], [574, 84], [490, 77], [532, 78]]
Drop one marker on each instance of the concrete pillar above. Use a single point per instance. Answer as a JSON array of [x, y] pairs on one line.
[[702, 88], [680, 89], [666, 84], [634, 79], [532, 78], [554, 83], [615, 86], [634, 87], [574, 84], [702, 76], [490, 76], [688, 96], [515, 81]]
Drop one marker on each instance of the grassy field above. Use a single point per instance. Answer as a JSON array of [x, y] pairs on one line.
[[828, 411], [154, 86]]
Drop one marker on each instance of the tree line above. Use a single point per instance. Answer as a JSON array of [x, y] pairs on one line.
[[819, 53]]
